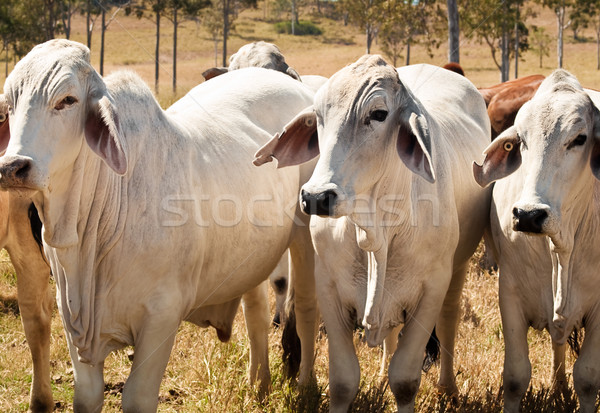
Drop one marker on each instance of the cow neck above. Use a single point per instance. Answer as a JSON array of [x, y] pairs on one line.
[[373, 231], [81, 224], [574, 220]]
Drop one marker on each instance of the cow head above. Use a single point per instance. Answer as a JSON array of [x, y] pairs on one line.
[[556, 137], [365, 118], [56, 101], [256, 54]]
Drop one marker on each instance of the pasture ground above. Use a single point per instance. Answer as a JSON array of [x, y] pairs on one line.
[[205, 375], [208, 376]]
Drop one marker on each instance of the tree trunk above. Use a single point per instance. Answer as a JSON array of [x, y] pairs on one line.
[[369, 39], [51, 18], [156, 52], [560, 17], [453, 32], [504, 66], [293, 17], [216, 50], [225, 30], [68, 24], [174, 49], [102, 41], [517, 44], [598, 50], [87, 25], [407, 52]]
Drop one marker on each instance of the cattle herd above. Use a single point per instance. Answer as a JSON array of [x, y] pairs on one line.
[[384, 184]]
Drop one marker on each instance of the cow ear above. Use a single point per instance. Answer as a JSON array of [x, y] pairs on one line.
[[298, 143], [214, 72], [595, 158], [502, 158], [414, 141], [4, 128], [103, 135]]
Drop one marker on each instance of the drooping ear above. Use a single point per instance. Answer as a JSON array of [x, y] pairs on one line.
[[414, 141], [298, 143], [595, 158], [4, 128], [291, 72], [103, 134], [214, 72], [502, 158]]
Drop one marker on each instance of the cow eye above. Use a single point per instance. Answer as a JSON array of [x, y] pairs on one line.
[[378, 115], [65, 103], [578, 141]]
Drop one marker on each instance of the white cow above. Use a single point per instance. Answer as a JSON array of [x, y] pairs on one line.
[[18, 223], [394, 175], [153, 217], [268, 56], [545, 221], [256, 54]]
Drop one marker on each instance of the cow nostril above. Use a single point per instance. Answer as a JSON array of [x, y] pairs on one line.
[[325, 202], [529, 221], [539, 216], [23, 170], [517, 212], [318, 204]]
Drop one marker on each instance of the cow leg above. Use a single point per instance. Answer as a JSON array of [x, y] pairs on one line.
[[255, 304], [344, 370], [405, 367], [586, 371], [35, 296], [302, 275], [89, 384], [35, 305], [517, 367], [152, 350], [389, 347], [446, 331], [559, 377]]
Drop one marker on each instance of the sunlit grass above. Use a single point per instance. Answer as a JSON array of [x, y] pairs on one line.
[[205, 375]]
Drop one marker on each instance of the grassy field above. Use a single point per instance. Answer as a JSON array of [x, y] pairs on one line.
[[208, 376]]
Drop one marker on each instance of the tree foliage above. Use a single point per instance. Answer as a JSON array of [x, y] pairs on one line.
[[540, 43], [492, 22], [407, 23], [366, 14]]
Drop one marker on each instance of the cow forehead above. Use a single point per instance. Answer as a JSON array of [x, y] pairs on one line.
[[48, 68], [551, 116], [350, 86]]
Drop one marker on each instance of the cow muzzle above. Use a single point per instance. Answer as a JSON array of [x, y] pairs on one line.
[[15, 172], [531, 219], [319, 203]]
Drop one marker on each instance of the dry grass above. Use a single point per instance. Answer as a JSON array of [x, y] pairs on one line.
[[208, 376]]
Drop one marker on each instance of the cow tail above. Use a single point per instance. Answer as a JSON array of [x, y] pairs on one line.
[[575, 341], [432, 351], [36, 227], [290, 342]]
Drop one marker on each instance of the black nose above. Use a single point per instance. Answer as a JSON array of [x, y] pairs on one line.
[[14, 170], [318, 204], [529, 221]]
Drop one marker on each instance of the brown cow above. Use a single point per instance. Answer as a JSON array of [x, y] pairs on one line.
[[505, 99], [18, 223], [454, 67]]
